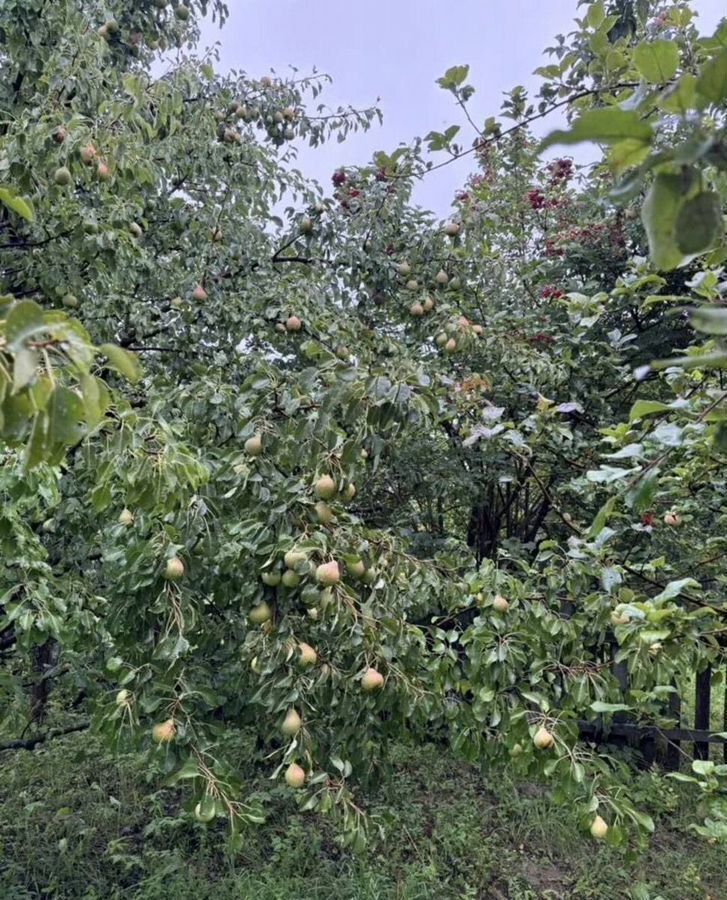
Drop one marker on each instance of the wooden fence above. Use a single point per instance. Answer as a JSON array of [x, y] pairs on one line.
[[666, 746]]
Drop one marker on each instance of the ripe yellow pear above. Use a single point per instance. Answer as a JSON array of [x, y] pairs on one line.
[[295, 776], [254, 445], [372, 680], [291, 723], [174, 569], [324, 513], [350, 492], [308, 656], [451, 229], [404, 269], [416, 310], [328, 574], [164, 732], [126, 517], [451, 345], [260, 614], [543, 739], [428, 305], [325, 487], [441, 277], [412, 285], [500, 604], [293, 323], [599, 829], [199, 293]]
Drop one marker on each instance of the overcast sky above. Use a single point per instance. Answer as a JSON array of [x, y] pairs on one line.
[[392, 51]]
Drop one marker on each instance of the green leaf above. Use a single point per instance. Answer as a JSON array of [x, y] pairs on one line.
[[66, 413], [453, 77], [610, 578], [124, 362], [659, 215], [709, 319], [95, 398], [657, 61], [24, 320], [598, 706], [37, 447], [643, 408], [596, 14], [17, 204], [674, 588], [712, 79], [25, 366], [699, 223], [604, 126]]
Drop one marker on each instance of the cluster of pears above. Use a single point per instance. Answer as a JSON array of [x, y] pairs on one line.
[[457, 334], [268, 113], [89, 157]]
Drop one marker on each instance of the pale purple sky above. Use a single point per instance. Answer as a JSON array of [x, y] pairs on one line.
[[395, 50]]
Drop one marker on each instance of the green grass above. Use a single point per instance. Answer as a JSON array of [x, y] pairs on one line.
[[75, 823]]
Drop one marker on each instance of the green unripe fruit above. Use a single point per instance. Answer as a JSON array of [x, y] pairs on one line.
[[254, 445], [308, 656], [271, 579], [62, 176], [543, 739], [182, 13], [293, 557], [126, 517], [599, 829], [325, 487], [372, 680], [205, 810], [324, 513], [291, 723], [290, 578], [174, 569], [260, 614], [295, 776]]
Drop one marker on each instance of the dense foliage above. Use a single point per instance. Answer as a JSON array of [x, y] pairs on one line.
[[321, 466]]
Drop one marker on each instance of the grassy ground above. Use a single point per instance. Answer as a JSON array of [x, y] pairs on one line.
[[76, 824]]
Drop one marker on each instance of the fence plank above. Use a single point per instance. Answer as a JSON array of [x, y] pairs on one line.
[[626, 729], [702, 708]]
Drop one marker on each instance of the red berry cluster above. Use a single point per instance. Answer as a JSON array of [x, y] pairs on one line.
[[551, 292], [536, 199], [544, 340], [560, 170]]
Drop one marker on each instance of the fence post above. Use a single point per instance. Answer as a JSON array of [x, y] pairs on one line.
[[672, 757], [702, 708]]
